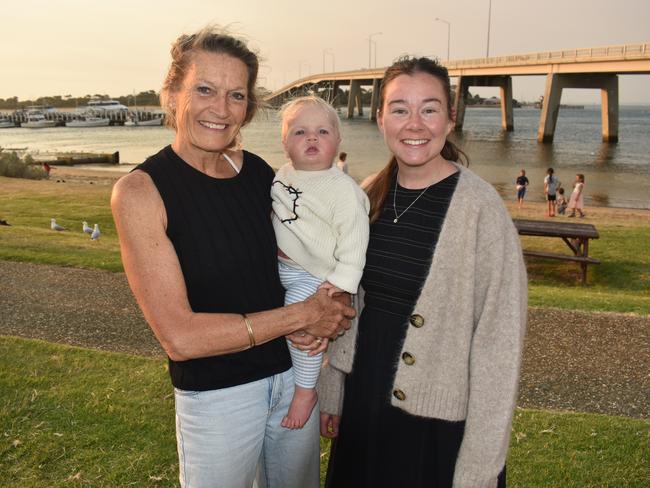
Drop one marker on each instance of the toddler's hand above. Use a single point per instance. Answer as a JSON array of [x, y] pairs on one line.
[[331, 289]]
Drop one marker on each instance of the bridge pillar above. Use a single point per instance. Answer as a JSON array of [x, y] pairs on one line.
[[359, 101], [507, 120], [335, 93], [353, 96], [374, 101], [609, 109], [608, 85], [550, 108], [462, 90]]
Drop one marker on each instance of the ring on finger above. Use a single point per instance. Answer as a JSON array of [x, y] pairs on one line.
[[319, 340]]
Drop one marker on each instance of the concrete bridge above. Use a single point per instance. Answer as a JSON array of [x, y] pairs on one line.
[[596, 68]]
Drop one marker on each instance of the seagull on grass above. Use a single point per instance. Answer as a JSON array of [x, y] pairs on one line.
[[55, 226], [87, 229], [95, 235]]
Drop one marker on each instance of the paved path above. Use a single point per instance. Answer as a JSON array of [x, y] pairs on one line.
[[591, 362]]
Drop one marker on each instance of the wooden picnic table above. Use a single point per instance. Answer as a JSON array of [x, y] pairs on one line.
[[575, 235]]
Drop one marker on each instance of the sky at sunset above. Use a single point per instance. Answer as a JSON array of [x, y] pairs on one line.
[[115, 47]]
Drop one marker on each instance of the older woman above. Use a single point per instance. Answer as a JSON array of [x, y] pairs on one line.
[[200, 255], [422, 393]]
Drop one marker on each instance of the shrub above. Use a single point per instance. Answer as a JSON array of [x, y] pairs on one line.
[[13, 167]]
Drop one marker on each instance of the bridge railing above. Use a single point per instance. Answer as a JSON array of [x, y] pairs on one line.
[[624, 51]]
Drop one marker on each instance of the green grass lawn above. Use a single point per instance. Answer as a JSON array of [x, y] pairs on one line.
[[75, 417], [619, 284], [78, 417], [29, 205]]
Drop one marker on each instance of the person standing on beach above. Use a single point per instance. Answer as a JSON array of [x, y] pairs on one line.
[[320, 217], [200, 255], [521, 184], [341, 164], [576, 201], [421, 391], [561, 202], [550, 189]]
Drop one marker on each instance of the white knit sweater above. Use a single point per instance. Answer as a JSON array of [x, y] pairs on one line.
[[468, 352], [321, 222]]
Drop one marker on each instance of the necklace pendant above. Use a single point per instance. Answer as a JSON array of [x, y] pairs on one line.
[[395, 220]]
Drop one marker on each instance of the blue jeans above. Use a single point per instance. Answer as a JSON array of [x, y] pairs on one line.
[[228, 438]]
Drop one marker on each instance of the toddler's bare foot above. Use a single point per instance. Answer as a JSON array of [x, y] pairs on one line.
[[300, 409]]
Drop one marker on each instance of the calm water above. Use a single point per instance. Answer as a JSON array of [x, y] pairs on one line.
[[616, 175]]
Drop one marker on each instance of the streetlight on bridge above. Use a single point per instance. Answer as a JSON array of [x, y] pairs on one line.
[[448, 34], [487, 53], [300, 64], [374, 47], [328, 51], [370, 48]]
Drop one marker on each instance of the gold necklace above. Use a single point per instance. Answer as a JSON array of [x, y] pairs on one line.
[[397, 217]]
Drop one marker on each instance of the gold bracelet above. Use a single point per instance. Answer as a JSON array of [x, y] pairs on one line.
[[249, 328]]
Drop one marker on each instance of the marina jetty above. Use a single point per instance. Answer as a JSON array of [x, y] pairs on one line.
[[96, 114]]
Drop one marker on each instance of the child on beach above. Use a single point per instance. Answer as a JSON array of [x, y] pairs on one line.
[[320, 218], [342, 163], [576, 201], [550, 188], [561, 202], [521, 185]]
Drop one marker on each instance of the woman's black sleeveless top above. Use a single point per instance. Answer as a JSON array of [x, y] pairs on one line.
[[222, 233]]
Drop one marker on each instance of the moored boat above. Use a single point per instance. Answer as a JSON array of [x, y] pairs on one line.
[[154, 122], [38, 122], [36, 118], [101, 106], [88, 122], [151, 122]]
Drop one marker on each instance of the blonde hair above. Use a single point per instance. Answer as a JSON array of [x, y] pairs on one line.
[[292, 106], [213, 39]]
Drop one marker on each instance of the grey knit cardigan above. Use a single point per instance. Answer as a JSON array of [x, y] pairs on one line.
[[467, 355]]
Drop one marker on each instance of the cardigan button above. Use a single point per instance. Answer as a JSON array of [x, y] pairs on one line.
[[416, 320], [408, 358], [399, 394]]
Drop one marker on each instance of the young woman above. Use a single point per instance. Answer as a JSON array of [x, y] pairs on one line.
[[421, 391]]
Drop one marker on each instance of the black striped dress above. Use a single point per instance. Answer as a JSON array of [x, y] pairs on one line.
[[380, 445]]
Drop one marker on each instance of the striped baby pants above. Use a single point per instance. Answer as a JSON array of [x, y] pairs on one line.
[[300, 285]]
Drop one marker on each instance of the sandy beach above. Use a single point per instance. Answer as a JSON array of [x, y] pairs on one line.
[[72, 174]]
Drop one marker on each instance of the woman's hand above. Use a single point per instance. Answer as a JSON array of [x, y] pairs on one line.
[[329, 425], [327, 316]]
